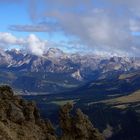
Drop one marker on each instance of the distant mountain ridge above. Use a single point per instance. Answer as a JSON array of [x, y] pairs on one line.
[[59, 70]]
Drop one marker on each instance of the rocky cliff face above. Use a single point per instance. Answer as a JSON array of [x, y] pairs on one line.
[[20, 120]]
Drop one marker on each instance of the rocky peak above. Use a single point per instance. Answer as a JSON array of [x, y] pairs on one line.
[[77, 75], [5, 58], [54, 53], [20, 120], [77, 127]]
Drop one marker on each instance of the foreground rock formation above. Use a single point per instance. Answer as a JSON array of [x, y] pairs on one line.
[[20, 120], [77, 127]]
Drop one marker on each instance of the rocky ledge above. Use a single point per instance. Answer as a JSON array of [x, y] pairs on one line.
[[20, 120]]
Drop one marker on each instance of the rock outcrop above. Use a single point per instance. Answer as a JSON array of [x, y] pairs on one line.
[[77, 127], [20, 120]]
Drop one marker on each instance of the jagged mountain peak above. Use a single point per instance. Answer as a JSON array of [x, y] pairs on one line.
[[55, 55]]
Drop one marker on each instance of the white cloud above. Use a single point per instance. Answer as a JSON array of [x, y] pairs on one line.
[[32, 44], [103, 29], [35, 46], [29, 28], [7, 39], [107, 29]]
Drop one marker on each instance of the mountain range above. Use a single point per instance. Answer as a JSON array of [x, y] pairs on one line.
[[107, 89], [57, 71]]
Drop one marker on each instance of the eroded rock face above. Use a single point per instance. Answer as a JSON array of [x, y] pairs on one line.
[[77, 127], [20, 120]]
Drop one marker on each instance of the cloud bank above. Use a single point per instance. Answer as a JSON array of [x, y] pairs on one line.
[[32, 44], [7, 39], [29, 28], [35, 45], [106, 26]]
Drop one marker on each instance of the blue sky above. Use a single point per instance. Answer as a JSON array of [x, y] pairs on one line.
[[18, 14], [103, 26], [13, 13]]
